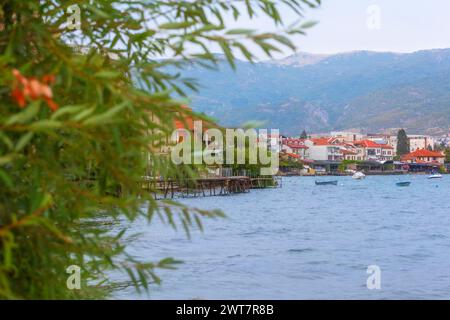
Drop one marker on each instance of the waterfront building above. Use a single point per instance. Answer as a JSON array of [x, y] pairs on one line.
[[184, 127], [424, 156], [350, 154], [295, 146], [325, 149], [369, 150], [389, 139]]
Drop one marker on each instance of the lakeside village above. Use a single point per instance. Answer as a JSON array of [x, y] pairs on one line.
[[341, 153], [345, 152], [334, 153]]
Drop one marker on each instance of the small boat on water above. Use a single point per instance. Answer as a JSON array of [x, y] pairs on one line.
[[326, 183], [358, 175], [435, 176], [403, 184]]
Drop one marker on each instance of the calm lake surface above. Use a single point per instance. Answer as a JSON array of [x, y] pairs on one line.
[[304, 241]]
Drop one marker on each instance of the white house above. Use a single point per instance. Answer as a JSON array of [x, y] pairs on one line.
[[295, 146], [370, 150], [324, 149], [388, 139]]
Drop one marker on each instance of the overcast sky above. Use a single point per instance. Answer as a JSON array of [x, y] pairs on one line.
[[380, 25]]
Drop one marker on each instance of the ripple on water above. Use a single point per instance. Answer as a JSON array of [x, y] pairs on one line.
[[300, 240], [303, 250], [436, 236]]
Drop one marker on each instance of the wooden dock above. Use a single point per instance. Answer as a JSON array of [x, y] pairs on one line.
[[206, 187]]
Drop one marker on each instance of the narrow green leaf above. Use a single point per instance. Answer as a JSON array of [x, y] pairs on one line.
[[23, 141]]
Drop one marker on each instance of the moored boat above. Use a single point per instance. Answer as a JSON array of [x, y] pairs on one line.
[[403, 184], [358, 175], [324, 183], [435, 176]]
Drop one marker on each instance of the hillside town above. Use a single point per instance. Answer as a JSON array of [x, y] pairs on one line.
[[344, 152]]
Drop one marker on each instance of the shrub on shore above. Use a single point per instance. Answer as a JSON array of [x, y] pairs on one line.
[[77, 128]]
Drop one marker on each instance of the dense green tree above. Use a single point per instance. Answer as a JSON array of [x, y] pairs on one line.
[[439, 146], [78, 132], [303, 135], [402, 143]]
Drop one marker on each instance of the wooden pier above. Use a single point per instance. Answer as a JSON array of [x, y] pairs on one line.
[[206, 187]]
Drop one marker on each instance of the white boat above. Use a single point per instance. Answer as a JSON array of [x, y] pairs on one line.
[[358, 176], [435, 176]]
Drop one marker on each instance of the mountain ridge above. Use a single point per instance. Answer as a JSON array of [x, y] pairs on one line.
[[361, 89]]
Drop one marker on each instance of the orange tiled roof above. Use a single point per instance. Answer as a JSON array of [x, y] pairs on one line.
[[294, 143], [183, 121], [424, 153], [372, 144], [188, 121], [293, 155], [296, 146], [322, 141]]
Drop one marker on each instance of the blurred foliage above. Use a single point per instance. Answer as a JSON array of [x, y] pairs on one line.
[[78, 132], [289, 163]]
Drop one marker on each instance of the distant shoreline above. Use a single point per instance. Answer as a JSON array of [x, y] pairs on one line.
[[367, 174]]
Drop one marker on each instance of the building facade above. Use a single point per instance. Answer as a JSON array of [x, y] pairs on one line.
[[368, 150], [417, 142], [295, 146], [322, 149], [424, 156]]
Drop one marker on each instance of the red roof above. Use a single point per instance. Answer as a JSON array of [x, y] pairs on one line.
[[325, 141], [293, 155], [296, 156], [294, 143], [424, 153], [189, 121], [372, 144], [186, 121], [296, 146]]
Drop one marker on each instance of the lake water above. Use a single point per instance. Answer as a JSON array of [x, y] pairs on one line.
[[304, 241]]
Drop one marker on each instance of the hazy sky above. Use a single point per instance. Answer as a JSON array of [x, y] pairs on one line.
[[380, 25]]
